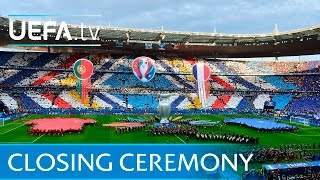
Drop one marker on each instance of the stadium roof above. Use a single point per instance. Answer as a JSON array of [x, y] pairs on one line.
[[296, 42]]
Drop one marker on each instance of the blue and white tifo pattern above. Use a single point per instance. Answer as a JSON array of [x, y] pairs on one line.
[[120, 89]]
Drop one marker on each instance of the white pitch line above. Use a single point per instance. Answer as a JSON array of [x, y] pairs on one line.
[[15, 142], [10, 123], [307, 128], [180, 139], [37, 138], [313, 135], [22, 142], [12, 129]]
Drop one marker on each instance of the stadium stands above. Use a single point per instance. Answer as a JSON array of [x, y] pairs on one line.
[[307, 103], [11, 103], [26, 78]]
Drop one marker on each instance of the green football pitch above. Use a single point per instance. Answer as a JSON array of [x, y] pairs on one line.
[[16, 132]]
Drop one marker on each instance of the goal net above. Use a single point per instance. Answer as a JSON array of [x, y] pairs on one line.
[[300, 120]]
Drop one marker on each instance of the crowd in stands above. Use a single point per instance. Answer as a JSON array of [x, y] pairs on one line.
[[283, 153], [306, 174], [44, 71], [306, 104]]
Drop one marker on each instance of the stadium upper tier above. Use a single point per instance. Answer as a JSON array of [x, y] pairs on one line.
[[192, 38], [126, 40], [46, 80]]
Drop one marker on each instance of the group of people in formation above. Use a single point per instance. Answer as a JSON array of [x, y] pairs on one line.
[[192, 131], [228, 137]]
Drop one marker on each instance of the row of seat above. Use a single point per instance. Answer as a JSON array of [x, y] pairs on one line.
[[71, 99]]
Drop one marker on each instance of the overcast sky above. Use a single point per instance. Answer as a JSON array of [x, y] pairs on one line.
[[228, 16]]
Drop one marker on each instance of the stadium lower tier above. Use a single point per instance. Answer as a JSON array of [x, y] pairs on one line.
[[70, 99]]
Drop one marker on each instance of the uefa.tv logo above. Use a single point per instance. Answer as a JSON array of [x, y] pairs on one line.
[[48, 28]]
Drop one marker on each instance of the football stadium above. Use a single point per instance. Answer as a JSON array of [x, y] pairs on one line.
[[143, 86]]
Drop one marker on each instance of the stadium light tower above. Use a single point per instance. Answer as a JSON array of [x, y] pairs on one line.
[[276, 30]]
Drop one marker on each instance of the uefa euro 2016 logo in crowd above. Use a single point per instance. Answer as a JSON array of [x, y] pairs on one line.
[[144, 68]]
